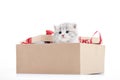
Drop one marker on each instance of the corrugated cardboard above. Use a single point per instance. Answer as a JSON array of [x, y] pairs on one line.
[[69, 58]]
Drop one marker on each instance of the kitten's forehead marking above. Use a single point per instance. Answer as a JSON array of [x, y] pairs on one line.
[[65, 26], [60, 28]]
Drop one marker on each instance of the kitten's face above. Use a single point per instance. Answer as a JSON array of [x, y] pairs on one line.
[[65, 32]]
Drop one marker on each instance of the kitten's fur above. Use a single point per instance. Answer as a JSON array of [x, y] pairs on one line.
[[65, 32]]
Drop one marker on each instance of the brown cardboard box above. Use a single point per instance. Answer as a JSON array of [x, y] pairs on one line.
[[69, 58]]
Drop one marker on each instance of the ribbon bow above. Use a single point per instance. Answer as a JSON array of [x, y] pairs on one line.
[[90, 41]]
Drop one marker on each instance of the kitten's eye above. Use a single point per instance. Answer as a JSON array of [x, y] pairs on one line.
[[67, 31], [60, 32]]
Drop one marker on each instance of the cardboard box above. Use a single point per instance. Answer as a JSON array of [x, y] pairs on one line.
[[65, 58]]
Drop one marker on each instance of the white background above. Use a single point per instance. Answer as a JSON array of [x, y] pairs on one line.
[[20, 19]]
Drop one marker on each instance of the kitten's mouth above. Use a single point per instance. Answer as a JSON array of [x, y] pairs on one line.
[[63, 37]]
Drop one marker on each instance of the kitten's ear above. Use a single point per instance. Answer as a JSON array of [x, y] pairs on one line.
[[74, 26]]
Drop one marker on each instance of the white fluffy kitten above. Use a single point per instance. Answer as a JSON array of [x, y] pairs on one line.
[[65, 32]]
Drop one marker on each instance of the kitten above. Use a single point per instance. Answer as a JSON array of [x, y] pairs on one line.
[[65, 33]]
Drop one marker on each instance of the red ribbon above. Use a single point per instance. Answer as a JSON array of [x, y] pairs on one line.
[[49, 32], [89, 41], [84, 40], [27, 41], [100, 38]]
